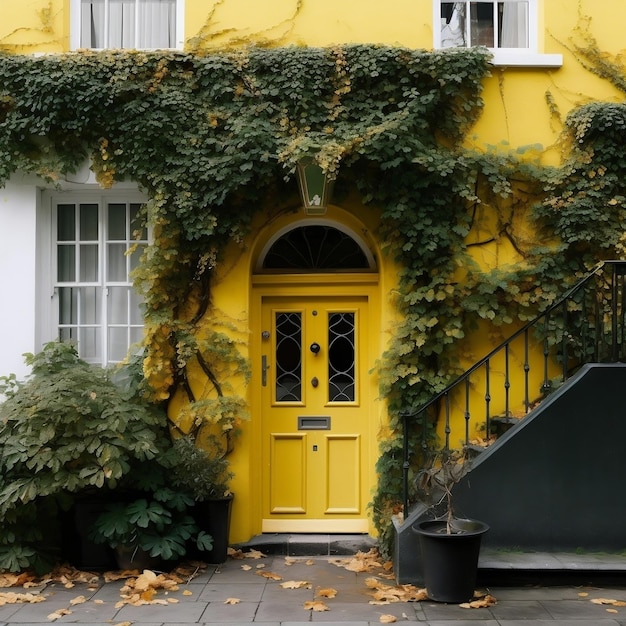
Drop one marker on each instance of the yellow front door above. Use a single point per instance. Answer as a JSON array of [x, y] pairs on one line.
[[315, 413]]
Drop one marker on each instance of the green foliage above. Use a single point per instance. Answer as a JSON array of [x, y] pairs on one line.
[[160, 525], [65, 430], [197, 472], [209, 135]]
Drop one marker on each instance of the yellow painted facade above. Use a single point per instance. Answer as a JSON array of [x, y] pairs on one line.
[[524, 106]]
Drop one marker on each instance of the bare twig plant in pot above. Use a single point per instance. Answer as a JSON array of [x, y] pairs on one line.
[[450, 544]]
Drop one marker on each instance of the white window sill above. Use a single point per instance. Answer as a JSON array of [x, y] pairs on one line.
[[525, 58]]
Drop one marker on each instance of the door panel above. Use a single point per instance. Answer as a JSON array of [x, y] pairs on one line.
[[314, 415]]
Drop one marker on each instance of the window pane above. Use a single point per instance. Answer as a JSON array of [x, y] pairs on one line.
[[136, 335], [66, 222], [135, 257], [90, 305], [453, 24], [341, 356], [116, 263], [88, 263], [68, 335], [481, 25], [288, 357], [118, 344], [118, 305], [135, 223], [68, 305], [157, 24], [89, 344], [136, 308], [89, 222], [66, 264], [117, 222], [128, 24], [513, 26]]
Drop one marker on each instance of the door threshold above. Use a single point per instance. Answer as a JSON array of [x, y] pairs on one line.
[[310, 544]]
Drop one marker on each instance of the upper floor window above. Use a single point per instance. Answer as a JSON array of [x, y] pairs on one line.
[[508, 27], [140, 24]]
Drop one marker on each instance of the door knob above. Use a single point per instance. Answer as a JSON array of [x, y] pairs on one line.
[[315, 347]]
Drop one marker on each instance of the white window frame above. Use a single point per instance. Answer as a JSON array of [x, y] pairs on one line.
[[75, 24], [47, 283], [520, 57]]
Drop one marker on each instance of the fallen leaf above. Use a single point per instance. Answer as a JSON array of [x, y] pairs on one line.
[[58, 614], [254, 554], [78, 600], [612, 611], [480, 603], [98, 601], [326, 593], [387, 619], [260, 566], [309, 562], [315, 605], [10, 597], [583, 594], [246, 567], [123, 624], [608, 601], [232, 601], [270, 575], [69, 585], [173, 600], [295, 584], [187, 592]]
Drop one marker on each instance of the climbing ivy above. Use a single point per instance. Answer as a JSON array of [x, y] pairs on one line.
[[211, 136]]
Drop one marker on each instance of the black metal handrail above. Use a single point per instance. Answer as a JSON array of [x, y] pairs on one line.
[[585, 325]]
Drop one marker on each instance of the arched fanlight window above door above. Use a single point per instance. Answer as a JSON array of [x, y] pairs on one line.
[[319, 247]]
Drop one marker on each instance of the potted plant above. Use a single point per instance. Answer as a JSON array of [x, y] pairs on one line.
[[149, 529], [450, 545], [205, 475]]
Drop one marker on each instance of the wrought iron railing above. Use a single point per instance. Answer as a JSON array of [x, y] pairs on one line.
[[585, 325]]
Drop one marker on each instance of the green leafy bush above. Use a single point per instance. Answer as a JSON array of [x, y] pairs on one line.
[[65, 430]]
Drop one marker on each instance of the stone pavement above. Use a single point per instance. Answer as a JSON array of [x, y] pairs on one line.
[[275, 590]]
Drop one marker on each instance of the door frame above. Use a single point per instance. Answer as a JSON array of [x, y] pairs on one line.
[[357, 284]]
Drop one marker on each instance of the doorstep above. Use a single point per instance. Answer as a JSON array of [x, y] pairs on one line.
[[286, 544]]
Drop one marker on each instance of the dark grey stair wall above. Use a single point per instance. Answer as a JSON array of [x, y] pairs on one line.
[[556, 481]]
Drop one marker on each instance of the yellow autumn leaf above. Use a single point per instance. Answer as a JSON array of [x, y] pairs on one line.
[[173, 600], [232, 601], [58, 614], [270, 575], [612, 611], [246, 567], [187, 592], [78, 600], [387, 619], [254, 554], [295, 584], [327, 593], [315, 605]]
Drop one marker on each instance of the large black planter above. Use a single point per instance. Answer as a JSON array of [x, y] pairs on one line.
[[213, 516], [450, 561]]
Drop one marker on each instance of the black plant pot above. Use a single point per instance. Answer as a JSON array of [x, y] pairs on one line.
[[450, 561], [213, 516]]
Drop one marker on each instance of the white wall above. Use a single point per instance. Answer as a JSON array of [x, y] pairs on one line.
[[18, 236]]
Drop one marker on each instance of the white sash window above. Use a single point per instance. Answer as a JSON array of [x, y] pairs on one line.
[[508, 27], [95, 304], [141, 24]]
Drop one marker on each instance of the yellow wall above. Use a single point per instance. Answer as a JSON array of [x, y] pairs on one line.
[[516, 112]]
